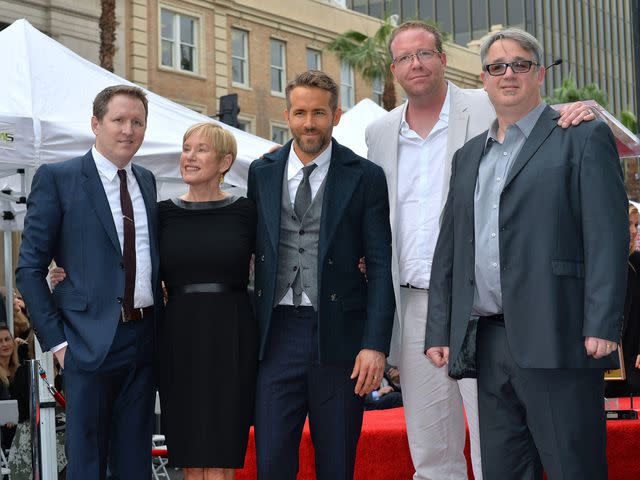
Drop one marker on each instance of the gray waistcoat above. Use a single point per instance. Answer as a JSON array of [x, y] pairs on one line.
[[298, 249]]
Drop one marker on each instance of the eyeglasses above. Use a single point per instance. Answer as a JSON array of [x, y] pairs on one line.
[[518, 66], [421, 55]]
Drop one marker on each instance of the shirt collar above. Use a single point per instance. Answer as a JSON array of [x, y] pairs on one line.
[[443, 118], [105, 167], [525, 125], [294, 164]]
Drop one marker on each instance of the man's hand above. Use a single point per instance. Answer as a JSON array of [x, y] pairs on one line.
[[60, 356], [385, 390], [574, 114], [56, 275], [599, 347], [638, 361], [439, 356], [368, 369]]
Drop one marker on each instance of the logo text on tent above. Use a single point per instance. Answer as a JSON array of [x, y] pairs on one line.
[[7, 135]]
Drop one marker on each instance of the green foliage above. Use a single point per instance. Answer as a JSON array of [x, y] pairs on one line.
[[569, 92], [629, 120]]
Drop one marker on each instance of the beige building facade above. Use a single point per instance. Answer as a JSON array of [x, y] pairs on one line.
[[195, 51]]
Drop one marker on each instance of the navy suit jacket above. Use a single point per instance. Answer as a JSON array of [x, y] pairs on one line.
[[564, 240], [68, 219], [353, 313]]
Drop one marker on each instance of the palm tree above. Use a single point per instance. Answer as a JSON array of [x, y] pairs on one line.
[[370, 56], [107, 33]]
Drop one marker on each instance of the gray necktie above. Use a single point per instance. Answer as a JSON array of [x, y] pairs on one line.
[[303, 194], [300, 206]]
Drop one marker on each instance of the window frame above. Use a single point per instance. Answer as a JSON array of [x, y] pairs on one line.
[[244, 60], [177, 43], [283, 126], [282, 69], [351, 87], [318, 54]]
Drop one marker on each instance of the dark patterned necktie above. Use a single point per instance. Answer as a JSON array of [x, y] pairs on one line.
[[129, 247], [303, 194]]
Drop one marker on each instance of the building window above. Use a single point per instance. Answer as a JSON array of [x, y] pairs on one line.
[[377, 88], [240, 57], [247, 124], [279, 134], [278, 67], [314, 59], [346, 86], [179, 37]]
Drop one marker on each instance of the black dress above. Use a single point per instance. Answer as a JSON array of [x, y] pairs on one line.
[[630, 334], [207, 342]]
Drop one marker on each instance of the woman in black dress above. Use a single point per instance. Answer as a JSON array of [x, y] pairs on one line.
[[207, 338]]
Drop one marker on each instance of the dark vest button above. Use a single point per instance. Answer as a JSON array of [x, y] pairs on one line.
[[295, 268], [301, 250], [301, 232]]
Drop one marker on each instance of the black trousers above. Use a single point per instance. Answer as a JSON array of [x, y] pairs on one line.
[[293, 384], [534, 418]]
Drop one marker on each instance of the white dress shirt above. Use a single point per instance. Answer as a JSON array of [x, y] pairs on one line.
[[108, 173], [421, 170], [294, 177]]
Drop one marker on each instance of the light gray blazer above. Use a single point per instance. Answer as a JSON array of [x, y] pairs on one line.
[[470, 113]]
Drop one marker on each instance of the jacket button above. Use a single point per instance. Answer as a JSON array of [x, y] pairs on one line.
[[330, 261], [333, 297], [301, 250], [262, 258], [301, 232], [470, 281], [259, 293], [119, 299], [295, 268], [122, 265]]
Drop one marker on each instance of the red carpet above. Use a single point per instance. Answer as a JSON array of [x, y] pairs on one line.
[[383, 451]]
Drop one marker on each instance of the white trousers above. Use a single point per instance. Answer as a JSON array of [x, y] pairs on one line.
[[433, 402]]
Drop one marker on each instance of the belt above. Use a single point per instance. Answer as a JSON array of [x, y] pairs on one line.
[[499, 318], [408, 285], [206, 288], [135, 314]]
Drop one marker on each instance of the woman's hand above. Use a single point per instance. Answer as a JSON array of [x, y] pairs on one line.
[[638, 361], [56, 275]]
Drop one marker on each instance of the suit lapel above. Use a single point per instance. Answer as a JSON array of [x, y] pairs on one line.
[[342, 179], [543, 128], [98, 199], [390, 159], [146, 188], [456, 133], [269, 180], [471, 175]]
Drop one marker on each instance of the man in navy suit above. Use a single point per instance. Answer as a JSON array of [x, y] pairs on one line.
[[324, 327], [96, 215]]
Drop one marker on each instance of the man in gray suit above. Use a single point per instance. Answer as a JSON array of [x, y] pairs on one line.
[[414, 144], [532, 257]]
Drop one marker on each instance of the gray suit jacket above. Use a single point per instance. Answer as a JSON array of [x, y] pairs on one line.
[[470, 113], [563, 247]]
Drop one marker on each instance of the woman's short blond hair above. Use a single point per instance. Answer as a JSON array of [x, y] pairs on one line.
[[221, 140]]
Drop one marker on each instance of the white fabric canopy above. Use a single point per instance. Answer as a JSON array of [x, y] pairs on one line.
[[48, 92], [350, 130]]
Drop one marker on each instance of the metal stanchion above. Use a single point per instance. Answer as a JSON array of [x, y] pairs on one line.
[[34, 409]]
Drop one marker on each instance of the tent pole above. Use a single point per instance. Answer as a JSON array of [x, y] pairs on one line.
[[8, 277]]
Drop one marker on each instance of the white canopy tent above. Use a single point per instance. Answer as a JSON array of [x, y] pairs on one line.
[[45, 112], [46, 108], [350, 130]]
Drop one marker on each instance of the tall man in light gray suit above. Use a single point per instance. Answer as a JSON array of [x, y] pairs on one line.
[[532, 257], [414, 144]]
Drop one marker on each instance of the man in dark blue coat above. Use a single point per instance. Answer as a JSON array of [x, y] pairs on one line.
[[96, 215], [324, 327]]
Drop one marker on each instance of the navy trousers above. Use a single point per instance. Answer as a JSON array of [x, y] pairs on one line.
[[110, 410], [293, 384]]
